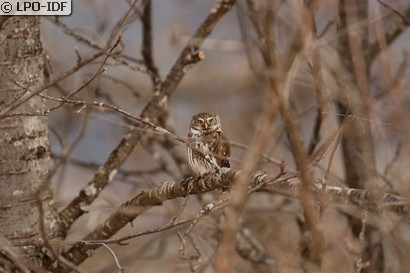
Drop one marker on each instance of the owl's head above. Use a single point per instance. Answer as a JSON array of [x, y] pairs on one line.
[[206, 122]]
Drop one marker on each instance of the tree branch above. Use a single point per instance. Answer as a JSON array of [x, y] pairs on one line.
[[189, 56], [290, 186], [394, 31], [147, 51]]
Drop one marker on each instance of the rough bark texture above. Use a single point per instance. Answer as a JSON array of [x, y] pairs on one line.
[[24, 145]]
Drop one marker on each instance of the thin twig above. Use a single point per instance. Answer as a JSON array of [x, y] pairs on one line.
[[188, 57], [117, 262], [29, 95]]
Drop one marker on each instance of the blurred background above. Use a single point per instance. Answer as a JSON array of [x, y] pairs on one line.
[[223, 83]]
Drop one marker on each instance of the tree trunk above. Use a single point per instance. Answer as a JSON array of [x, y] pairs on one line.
[[27, 211], [357, 144]]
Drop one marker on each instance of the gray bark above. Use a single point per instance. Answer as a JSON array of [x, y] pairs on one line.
[[26, 202]]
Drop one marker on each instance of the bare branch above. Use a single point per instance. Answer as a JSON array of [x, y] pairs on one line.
[[151, 112], [28, 96], [117, 262], [392, 34], [147, 50], [290, 186]]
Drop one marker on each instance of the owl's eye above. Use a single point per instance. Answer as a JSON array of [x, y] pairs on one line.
[[200, 122], [211, 120]]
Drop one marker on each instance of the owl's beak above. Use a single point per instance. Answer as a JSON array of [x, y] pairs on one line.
[[206, 125]]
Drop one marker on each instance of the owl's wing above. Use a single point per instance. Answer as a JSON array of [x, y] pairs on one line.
[[222, 150]]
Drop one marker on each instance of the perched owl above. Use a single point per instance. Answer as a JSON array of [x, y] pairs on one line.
[[208, 148]]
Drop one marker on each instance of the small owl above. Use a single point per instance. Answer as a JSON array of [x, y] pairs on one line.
[[208, 148]]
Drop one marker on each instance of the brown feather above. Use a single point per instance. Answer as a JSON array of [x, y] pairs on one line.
[[209, 148]]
